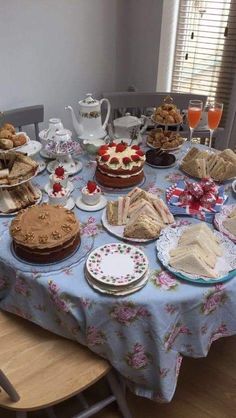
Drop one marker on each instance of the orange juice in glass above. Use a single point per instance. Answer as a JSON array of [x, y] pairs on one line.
[[214, 115], [194, 115]]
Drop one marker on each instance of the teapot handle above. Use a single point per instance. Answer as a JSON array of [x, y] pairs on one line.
[[108, 111]]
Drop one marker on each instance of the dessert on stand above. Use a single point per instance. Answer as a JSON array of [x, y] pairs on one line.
[[62, 146], [10, 139]]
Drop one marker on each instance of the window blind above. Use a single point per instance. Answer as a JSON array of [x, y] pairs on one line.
[[205, 50]]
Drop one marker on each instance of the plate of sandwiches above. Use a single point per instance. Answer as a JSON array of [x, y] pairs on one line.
[[16, 169], [139, 216], [196, 253], [220, 165], [225, 221], [18, 198]]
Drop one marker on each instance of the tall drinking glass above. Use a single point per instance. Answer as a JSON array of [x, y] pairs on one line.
[[194, 115], [214, 114]]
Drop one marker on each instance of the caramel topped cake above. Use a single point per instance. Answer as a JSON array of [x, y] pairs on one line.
[[45, 233], [120, 165]]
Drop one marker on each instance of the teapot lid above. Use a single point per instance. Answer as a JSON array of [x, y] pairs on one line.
[[89, 101], [127, 121]]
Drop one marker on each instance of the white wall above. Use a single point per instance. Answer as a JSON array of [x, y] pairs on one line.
[[140, 32], [55, 51]]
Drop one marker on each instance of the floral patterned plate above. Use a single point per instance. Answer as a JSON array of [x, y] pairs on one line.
[[221, 217], [118, 230], [117, 264], [225, 266], [116, 292]]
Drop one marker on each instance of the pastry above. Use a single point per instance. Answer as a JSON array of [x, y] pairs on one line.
[[4, 133], [167, 113], [164, 139], [60, 175], [19, 140], [9, 127], [45, 233], [6, 143]]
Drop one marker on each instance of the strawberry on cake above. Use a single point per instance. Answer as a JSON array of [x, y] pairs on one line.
[[58, 195], [59, 176], [120, 165], [91, 193]]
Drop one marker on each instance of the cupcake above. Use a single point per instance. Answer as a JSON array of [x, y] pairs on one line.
[[59, 176], [58, 195], [91, 193]]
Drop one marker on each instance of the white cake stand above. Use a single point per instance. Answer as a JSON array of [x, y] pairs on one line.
[[64, 158]]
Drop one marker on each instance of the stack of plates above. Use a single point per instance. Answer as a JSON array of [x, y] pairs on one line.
[[117, 269]]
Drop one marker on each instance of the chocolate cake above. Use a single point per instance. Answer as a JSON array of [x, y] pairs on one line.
[[45, 233], [119, 165], [159, 159]]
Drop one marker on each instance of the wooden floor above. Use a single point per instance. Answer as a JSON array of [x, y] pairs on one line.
[[206, 389]]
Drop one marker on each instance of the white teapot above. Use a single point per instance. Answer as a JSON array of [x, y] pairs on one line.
[[89, 124], [129, 127]]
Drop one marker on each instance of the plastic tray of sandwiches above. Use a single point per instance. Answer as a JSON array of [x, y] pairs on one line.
[[138, 216], [196, 253], [16, 168], [219, 165]]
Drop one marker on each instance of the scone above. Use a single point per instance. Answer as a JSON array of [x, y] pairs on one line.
[[9, 127], [6, 143], [4, 133]]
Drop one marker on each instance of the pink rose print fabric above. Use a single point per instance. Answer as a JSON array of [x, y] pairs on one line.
[[145, 335]]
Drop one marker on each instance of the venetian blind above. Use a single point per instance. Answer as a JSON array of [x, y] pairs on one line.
[[205, 51]]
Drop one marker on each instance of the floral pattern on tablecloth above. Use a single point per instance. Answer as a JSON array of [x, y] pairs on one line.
[[146, 335]]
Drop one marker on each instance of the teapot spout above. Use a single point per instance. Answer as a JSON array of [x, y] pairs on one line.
[[77, 126]]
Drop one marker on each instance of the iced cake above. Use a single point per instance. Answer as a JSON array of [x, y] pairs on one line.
[[45, 233]]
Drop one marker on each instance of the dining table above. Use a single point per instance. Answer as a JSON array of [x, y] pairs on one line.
[[144, 335]]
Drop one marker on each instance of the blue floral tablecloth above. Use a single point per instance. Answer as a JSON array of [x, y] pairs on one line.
[[145, 335]]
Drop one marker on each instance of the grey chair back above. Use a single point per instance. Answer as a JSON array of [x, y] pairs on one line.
[[31, 115], [137, 103]]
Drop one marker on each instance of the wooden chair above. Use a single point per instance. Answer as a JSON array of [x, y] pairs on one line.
[[138, 102], [31, 115], [41, 369]]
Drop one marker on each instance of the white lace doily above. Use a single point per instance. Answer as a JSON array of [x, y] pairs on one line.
[[221, 217], [168, 240]]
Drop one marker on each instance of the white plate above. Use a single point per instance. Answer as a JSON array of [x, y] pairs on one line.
[[91, 208], [45, 154], [227, 262], [161, 166], [69, 204], [20, 146], [42, 166], [36, 203], [96, 286], [221, 217], [167, 149], [165, 124], [9, 186], [52, 165], [69, 188], [234, 186], [117, 264], [118, 230], [32, 148]]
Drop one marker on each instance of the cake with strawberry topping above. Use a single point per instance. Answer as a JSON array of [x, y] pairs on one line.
[[58, 195], [60, 175], [120, 165], [91, 193]]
